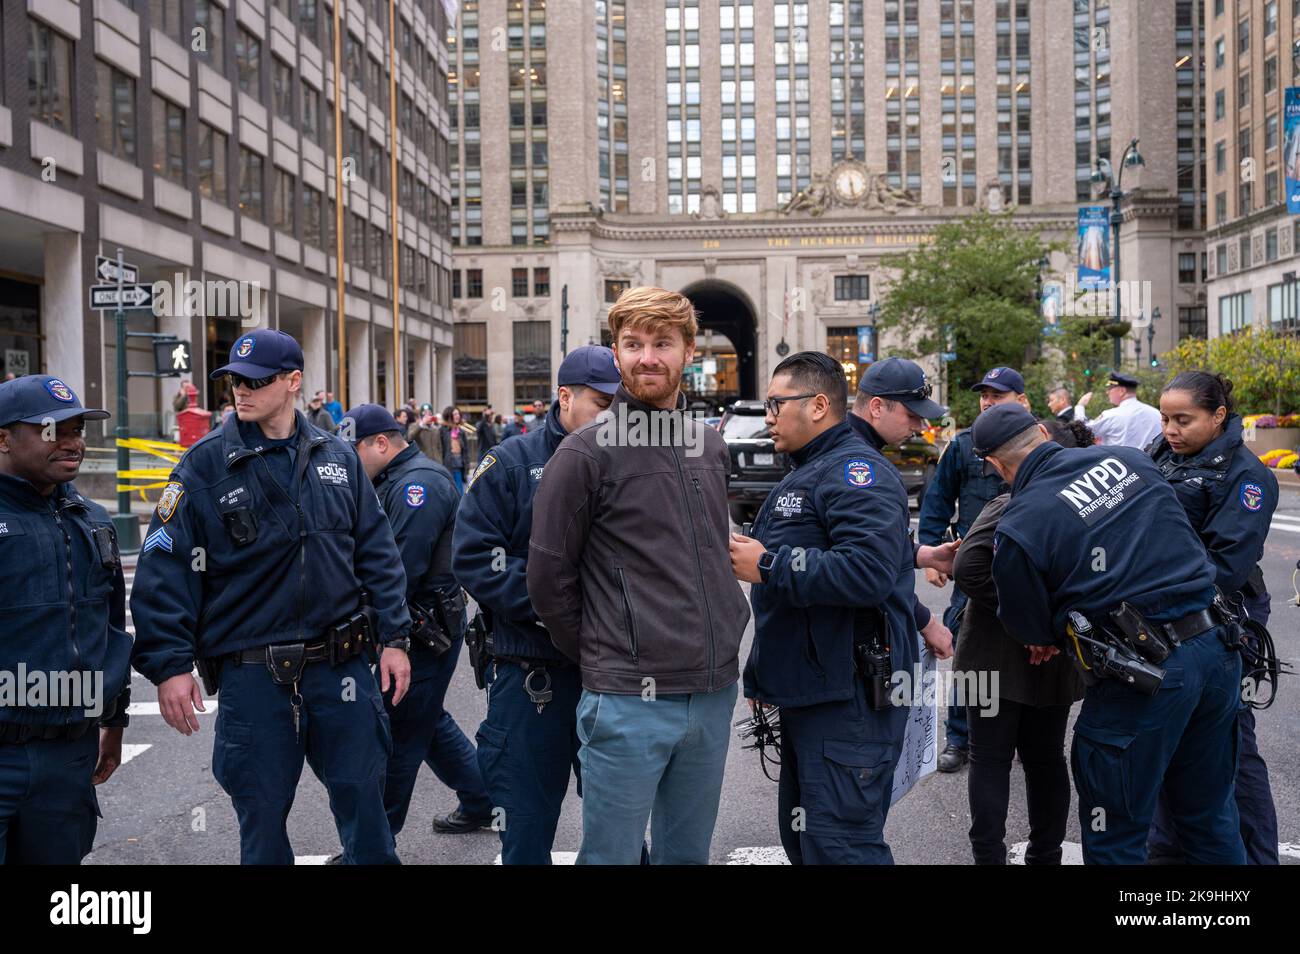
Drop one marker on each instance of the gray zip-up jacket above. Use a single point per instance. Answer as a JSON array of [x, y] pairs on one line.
[[628, 562]]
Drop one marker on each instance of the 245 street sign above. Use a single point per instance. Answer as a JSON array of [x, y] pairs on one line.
[[104, 297]]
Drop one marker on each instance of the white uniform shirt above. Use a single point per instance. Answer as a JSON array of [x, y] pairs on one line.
[[1131, 424]]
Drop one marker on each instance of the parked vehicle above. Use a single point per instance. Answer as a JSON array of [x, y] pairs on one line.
[[757, 467]]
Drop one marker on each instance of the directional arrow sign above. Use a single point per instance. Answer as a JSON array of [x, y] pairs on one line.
[[131, 296], [106, 270]]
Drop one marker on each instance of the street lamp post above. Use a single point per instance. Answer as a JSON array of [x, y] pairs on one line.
[[1105, 174]]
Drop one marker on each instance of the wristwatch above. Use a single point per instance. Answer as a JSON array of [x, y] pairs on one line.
[[765, 564], [401, 642]]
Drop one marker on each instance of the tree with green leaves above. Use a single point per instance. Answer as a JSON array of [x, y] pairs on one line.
[[972, 290]]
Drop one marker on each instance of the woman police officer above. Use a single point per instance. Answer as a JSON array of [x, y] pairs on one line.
[[1229, 496]]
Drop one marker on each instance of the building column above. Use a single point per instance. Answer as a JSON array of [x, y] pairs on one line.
[[315, 348], [62, 301], [443, 389], [360, 383], [424, 378]]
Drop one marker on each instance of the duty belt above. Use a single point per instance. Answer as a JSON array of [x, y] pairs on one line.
[[314, 652], [1191, 625], [11, 733]]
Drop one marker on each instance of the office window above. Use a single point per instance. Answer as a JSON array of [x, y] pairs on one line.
[[311, 216], [1270, 245], [1234, 312], [1220, 52], [115, 111], [284, 201], [49, 76], [248, 59], [473, 283], [1270, 74], [308, 23], [212, 163], [282, 83], [1191, 322], [541, 282], [1220, 105], [455, 283], [165, 17], [519, 282], [532, 343], [1187, 268], [1221, 259], [1270, 17], [1243, 251], [1270, 188], [469, 366], [378, 249], [1220, 156], [852, 287], [250, 184], [1283, 305], [168, 140], [210, 20], [311, 113], [1220, 206], [1243, 36], [1270, 132]]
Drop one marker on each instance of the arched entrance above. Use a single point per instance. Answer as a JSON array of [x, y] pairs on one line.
[[728, 343]]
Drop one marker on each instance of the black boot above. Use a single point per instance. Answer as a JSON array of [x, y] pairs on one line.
[[951, 759], [458, 823]]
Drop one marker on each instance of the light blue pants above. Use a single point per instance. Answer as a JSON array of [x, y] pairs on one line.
[[659, 759]]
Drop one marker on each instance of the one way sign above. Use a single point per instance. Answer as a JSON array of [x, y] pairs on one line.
[[103, 297], [106, 270]]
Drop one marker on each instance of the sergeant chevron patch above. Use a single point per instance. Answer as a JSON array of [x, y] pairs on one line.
[[160, 539]]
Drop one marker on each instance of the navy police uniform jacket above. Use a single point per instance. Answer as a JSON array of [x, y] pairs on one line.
[[838, 524], [1229, 496], [200, 593], [420, 498], [62, 599], [490, 546], [958, 482], [1087, 528], [920, 612]]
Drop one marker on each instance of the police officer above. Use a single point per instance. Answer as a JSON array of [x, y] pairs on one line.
[[1130, 423], [64, 609], [1070, 547], [1229, 496], [832, 574], [420, 500], [960, 482], [255, 564], [529, 741], [893, 403]]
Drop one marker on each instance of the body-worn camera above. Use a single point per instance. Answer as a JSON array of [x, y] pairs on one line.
[[241, 524]]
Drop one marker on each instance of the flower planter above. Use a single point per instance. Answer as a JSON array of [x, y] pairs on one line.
[[1272, 438]]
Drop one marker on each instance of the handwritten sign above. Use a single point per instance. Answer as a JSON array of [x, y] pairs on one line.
[[921, 737]]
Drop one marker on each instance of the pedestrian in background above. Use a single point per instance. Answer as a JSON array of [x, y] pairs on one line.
[[455, 446], [424, 432], [487, 438], [1061, 404], [1130, 423]]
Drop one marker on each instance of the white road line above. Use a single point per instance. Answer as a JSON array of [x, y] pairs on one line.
[[1289, 849], [758, 856], [1285, 526], [557, 858], [311, 859], [151, 708], [131, 751], [1071, 853]]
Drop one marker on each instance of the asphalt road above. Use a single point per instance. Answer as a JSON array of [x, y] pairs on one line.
[[163, 806]]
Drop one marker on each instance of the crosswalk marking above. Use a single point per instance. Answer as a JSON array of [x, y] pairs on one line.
[[1289, 849], [311, 859], [130, 751], [772, 855], [1071, 853], [557, 858], [151, 708]]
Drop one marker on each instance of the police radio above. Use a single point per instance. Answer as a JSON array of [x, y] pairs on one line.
[[1110, 659]]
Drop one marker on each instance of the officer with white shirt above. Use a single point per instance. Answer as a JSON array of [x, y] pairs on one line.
[[1130, 423]]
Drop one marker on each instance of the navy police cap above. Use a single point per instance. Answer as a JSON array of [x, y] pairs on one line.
[[369, 419], [260, 354], [999, 424], [897, 379], [40, 398]]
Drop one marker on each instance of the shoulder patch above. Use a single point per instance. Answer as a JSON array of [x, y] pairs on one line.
[[171, 496], [858, 473], [482, 468], [1251, 496], [415, 495]]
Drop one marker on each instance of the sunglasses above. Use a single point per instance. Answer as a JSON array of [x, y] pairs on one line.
[[253, 384], [915, 394]]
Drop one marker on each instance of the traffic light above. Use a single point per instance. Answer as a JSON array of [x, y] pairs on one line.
[[1087, 372], [1155, 362]]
